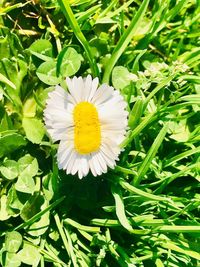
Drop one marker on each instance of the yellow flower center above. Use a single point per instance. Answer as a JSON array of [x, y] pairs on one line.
[[87, 132]]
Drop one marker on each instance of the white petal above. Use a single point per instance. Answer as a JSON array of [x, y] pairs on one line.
[[80, 174], [74, 90], [92, 166], [87, 87], [64, 153], [85, 164], [109, 161], [95, 163], [95, 83], [81, 165], [70, 162], [80, 87], [56, 135], [102, 94], [75, 168], [102, 162], [108, 150], [57, 114]]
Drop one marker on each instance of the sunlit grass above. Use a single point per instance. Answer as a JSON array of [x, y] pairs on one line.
[[145, 212]]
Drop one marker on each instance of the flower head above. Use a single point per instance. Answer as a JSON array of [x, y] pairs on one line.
[[89, 122]]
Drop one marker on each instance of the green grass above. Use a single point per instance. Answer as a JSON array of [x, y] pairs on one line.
[[145, 212]]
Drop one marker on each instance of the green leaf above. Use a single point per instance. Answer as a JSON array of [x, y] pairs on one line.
[[121, 77], [47, 73], [15, 70], [147, 120], [28, 165], [69, 62], [159, 263], [179, 130], [135, 114], [32, 206], [193, 98], [161, 85], [5, 80], [34, 129], [42, 47], [185, 154], [39, 227], [39, 214], [11, 7], [41, 56], [25, 184], [13, 241], [185, 250], [3, 211], [86, 14], [82, 227], [125, 40], [16, 199], [29, 108], [9, 169], [29, 255], [10, 259], [120, 209], [10, 142], [47, 186], [66, 9], [6, 123], [150, 155], [134, 190]]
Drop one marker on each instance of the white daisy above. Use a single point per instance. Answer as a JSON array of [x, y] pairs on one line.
[[89, 122]]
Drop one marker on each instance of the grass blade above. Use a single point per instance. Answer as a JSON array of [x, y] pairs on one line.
[[148, 119], [39, 214], [135, 113], [172, 246], [178, 228], [150, 155], [3, 79], [120, 209], [125, 40], [135, 190], [181, 156], [157, 89], [82, 227], [62, 233], [66, 9], [195, 98], [174, 176], [87, 14]]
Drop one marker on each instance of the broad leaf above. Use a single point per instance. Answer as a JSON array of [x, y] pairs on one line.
[[34, 129], [121, 77], [28, 165], [29, 255], [9, 169], [42, 47], [47, 73], [25, 184], [69, 62], [10, 142], [10, 259], [3, 211], [13, 241]]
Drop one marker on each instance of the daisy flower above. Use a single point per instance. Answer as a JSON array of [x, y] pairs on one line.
[[89, 122]]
